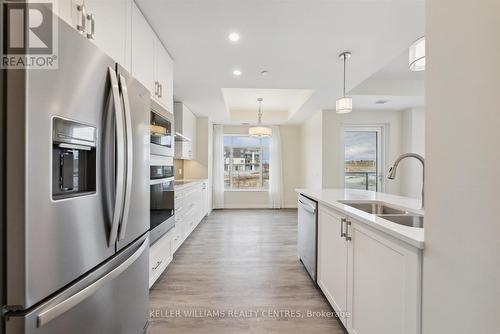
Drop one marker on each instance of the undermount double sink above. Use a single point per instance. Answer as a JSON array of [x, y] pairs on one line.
[[382, 210]]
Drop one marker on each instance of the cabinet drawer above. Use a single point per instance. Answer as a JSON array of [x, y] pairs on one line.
[[160, 255]]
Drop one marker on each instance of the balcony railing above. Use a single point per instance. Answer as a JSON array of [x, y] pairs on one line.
[[361, 180]]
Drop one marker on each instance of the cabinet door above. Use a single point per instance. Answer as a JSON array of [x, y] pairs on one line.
[[143, 48], [384, 280], [205, 198], [332, 260], [64, 9], [113, 28], [165, 75]]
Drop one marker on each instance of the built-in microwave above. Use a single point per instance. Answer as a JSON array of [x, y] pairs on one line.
[[161, 130], [162, 206]]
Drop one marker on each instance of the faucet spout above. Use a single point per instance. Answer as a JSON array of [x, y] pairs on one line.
[[391, 175]]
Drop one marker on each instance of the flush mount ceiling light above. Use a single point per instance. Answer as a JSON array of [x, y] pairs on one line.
[[237, 73], [234, 37], [344, 104], [416, 59], [259, 130]]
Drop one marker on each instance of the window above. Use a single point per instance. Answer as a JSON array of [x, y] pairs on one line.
[[246, 163], [362, 158]]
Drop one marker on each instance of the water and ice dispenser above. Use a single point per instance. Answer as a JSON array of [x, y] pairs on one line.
[[73, 159]]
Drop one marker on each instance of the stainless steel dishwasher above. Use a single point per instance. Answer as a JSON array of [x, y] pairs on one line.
[[307, 235]]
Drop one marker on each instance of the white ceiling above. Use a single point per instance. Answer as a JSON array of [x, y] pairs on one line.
[[395, 84], [297, 41], [278, 105]]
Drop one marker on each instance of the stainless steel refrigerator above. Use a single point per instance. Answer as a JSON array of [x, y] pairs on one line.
[[76, 197]]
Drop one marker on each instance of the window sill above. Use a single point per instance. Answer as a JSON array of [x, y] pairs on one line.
[[247, 190]]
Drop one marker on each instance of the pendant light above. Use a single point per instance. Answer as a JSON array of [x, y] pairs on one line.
[[259, 130], [416, 53], [344, 104]]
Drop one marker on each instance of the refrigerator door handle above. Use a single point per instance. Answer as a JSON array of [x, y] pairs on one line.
[[59, 309], [120, 158], [129, 156]]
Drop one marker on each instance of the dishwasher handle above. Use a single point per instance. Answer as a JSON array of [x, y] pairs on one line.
[[308, 207]]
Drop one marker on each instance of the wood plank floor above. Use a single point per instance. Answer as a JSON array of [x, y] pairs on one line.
[[238, 272]]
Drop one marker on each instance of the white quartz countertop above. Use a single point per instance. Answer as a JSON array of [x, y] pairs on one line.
[[186, 183], [331, 197]]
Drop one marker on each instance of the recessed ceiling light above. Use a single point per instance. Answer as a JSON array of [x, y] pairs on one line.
[[264, 72], [234, 37], [237, 73]]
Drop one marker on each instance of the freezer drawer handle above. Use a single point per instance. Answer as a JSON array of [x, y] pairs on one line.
[[307, 207], [46, 316]]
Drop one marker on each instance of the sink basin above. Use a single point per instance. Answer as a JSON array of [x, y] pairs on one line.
[[406, 220], [374, 207]]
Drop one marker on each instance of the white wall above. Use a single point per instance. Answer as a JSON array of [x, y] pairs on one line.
[[198, 168], [201, 167], [311, 152], [413, 140], [291, 155], [461, 276], [322, 151], [290, 138], [333, 164]]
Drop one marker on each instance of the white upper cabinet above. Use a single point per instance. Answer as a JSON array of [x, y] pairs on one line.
[[143, 50], [185, 123], [118, 28], [107, 23], [164, 76], [151, 63]]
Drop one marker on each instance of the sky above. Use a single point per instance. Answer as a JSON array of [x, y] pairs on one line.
[[360, 145]]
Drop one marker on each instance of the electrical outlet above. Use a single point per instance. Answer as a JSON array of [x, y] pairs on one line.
[[180, 171]]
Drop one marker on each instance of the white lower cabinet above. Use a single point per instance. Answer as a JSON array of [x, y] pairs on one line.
[[189, 212], [373, 277], [332, 261], [160, 255]]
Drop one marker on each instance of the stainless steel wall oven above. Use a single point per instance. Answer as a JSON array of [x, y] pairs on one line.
[[161, 172]]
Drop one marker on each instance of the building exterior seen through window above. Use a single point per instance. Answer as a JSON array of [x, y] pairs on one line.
[[246, 163]]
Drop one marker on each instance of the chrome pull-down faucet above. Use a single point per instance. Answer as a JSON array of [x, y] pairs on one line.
[[392, 171]]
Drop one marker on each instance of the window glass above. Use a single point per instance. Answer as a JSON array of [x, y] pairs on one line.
[[246, 162], [360, 166]]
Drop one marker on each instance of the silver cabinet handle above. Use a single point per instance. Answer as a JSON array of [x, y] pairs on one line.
[[157, 88], [120, 157], [45, 316], [347, 237], [129, 156], [342, 233], [91, 18], [160, 90], [157, 265], [83, 17]]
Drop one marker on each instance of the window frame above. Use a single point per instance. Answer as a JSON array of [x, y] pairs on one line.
[[382, 131], [230, 167]]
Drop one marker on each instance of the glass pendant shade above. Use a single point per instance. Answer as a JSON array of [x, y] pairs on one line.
[[344, 105], [260, 131], [416, 59]]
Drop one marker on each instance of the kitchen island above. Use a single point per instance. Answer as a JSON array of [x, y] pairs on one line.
[[368, 267]]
